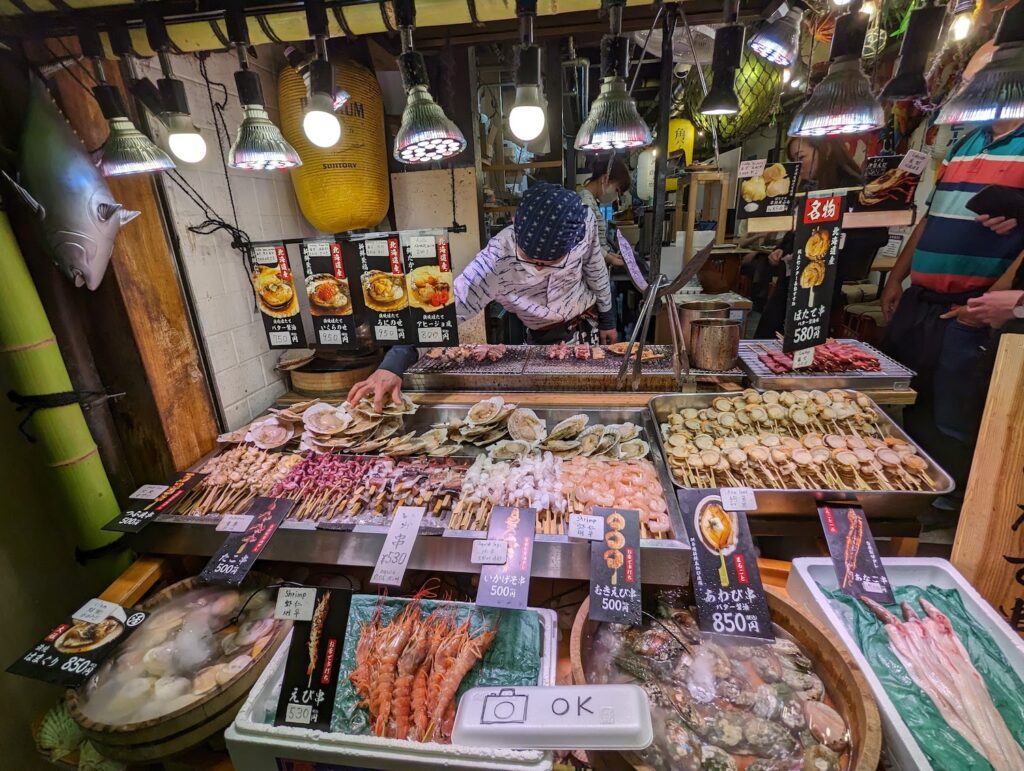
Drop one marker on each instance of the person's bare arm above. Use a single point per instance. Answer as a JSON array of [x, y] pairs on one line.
[[893, 290], [1005, 281]]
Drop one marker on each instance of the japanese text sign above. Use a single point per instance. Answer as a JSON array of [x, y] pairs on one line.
[[276, 296], [615, 568], [816, 248], [508, 585], [239, 552], [133, 520], [394, 554], [859, 569]]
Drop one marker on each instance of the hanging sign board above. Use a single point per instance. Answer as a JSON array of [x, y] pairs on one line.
[[766, 195], [239, 552], [508, 585], [855, 556], [394, 554], [383, 286], [615, 568], [329, 293], [276, 296], [431, 287], [816, 249], [133, 520], [314, 660], [727, 584], [887, 198]]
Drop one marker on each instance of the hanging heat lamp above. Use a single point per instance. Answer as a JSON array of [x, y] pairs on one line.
[[613, 122], [842, 103], [779, 41], [922, 33], [526, 119], [426, 133]]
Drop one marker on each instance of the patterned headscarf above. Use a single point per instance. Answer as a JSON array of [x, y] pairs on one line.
[[550, 221]]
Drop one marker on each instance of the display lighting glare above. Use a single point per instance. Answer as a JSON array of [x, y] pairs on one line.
[[787, 75], [185, 142], [320, 125], [779, 41], [527, 117], [961, 26], [868, 8]]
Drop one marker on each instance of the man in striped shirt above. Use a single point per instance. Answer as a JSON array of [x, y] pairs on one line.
[[953, 256], [547, 268]]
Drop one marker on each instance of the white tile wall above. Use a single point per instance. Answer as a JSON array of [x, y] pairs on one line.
[[243, 366]]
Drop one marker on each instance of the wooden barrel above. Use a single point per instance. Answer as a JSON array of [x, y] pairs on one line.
[[843, 681], [176, 731], [332, 375]]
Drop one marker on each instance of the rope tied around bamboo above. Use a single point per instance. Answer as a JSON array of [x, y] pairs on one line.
[[35, 402]]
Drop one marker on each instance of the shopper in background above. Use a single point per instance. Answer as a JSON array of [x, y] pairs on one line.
[[825, 164], [546, 268], [606, 184], [939, 325]]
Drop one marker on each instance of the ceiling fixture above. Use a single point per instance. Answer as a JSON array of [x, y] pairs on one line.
[[963, 20], [320, 125], [779, 41], [922, 32], [186, 143], [526, 119], [868, 8], [996, 92], [258, 144], [426, 133], [613, 122], [721, 98], [842, 103], [126, 149]]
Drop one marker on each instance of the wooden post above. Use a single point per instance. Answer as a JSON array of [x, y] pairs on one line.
[[989, 545], [143, 272]]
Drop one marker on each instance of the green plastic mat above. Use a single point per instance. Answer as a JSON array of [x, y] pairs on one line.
[[945, 749], [512, 659]]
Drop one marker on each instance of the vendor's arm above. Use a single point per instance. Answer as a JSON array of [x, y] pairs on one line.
[[595, 276], [477, 285]]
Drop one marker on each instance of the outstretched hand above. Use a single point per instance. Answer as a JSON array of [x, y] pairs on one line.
[[382, 384]]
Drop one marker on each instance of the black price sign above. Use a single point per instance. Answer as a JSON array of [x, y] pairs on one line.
[[727, 584], [383, 287], [816, 248], [276, 296], [314, 660], [72, 652], [239, 552], [508, 585], [855, 557], [329, 293], [615, 568], [766, 190], [133, 520], [431, 286]]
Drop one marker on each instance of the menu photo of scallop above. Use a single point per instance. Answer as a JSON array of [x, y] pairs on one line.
[[276, 296], [382, 285], [329, 293], [430, 286]]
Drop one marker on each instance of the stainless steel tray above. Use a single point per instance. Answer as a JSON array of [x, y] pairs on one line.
[[893, 504], [892, 375]]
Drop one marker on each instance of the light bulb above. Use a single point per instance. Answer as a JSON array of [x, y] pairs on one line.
[[961, 27], [868, 8], [787, 75], [188, 146], [322, 128], [526, 121], [841, 3], [795, 83]]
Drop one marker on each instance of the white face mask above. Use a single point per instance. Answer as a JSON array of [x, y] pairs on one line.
[[609, 194]]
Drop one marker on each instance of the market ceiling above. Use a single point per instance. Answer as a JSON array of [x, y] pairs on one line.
[[195, 26]]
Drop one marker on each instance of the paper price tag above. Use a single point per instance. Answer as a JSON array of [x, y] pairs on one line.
[[97, 610], [803, 358], [264, 255], [431, 335], [587, 527], [317, 248], [489, 551], [295, 604], [738, 499], [385, 332], [752, 168], [236, 555], [234, 523], [148, 492], [422, 246], [914, 162], [378, 247], [394, 555]]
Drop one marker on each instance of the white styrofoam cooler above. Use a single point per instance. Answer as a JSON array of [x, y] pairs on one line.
[[808, 572], [256, 745]]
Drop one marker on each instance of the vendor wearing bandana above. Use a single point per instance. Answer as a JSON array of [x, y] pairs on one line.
[[547, 268]]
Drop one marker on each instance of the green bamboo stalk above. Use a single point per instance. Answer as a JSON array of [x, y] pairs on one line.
[[34, 366]]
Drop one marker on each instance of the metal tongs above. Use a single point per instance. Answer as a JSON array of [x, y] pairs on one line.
[[661, 291]]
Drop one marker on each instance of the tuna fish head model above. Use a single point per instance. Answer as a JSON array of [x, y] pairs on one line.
[[78, 218]]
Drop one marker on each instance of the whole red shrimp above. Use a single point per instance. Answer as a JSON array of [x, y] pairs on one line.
[[468, 655]]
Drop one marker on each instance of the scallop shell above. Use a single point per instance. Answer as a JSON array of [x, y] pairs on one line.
[[405, 406], [233, 437], [508, 450], [159, 661], [269, 433], [634, 448], [433, 439], [228, 672], [205, 681], [609, 439], [569, 428], [171, 687], [485, 411], [444, 451], [589, 443], [252, 630], [523, 424], [560, 445], [325, 419]]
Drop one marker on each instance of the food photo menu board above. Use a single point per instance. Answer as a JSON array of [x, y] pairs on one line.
[[330, 294], [431, 287], [273, 284]]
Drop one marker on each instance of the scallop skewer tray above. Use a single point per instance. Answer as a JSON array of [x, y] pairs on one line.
[[892, 375]]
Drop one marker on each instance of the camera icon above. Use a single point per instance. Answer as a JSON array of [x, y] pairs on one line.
[[505, 706]]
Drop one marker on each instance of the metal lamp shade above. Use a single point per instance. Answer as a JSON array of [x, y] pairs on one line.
[[995, 93], [779, 41], [841, 104], [721, 99], [259, 144], [922, 33], [426, 133], [129, 151], [613, 122]]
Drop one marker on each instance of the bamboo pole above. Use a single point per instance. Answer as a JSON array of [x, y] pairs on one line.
[[32, 360]]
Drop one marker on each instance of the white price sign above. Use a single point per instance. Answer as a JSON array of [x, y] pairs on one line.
[[377, 248], [148, 492], [752, 168], [95, 611], [264, 255], [738, 499], [385, 332], [330, 336], [318, 248], [489, 551], [914, 162], [394, 555], [295, 603], [590, 528], [234, 523], [431, 335], [803, 358], [422, 247], [280, 338]]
